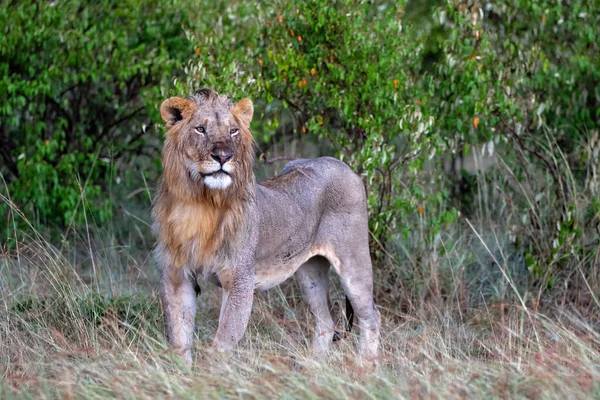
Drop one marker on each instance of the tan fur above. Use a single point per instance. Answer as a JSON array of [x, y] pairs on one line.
[[212, 218]]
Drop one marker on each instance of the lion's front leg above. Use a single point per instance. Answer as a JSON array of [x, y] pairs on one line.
[[178, 297], [238, 294]]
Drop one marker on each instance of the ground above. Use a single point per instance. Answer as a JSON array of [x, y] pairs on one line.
[[64, 335]]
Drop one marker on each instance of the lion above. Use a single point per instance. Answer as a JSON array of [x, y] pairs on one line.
[[212, 218]]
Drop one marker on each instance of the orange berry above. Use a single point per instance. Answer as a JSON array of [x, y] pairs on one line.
[[418, 102], [396, 83], [197, 51], [476, 122], [421, 209], [280, 18], [313, 71], [303, 129], [260, 62], [299, 38], [292, 32]]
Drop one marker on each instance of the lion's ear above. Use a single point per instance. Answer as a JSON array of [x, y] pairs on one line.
[[175, 109], [244, 110]]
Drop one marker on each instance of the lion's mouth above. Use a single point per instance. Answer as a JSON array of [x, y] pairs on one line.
[[215, 173]]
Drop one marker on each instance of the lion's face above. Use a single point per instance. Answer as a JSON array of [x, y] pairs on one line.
[[209, 140], [210, 144]]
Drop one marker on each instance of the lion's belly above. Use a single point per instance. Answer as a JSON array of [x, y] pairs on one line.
[[271, 272]]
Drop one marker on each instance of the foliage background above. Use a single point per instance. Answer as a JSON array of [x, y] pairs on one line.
[[474, 126]]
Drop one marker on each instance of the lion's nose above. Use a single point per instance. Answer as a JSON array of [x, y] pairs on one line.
[[222, 155]]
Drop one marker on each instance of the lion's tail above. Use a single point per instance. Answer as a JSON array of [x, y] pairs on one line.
[[350, 319]]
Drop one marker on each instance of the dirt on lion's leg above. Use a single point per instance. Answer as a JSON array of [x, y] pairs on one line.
[[356, 277], [238, 296], [178, 297], [313, 277]]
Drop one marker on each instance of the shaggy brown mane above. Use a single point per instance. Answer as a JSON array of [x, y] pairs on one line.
[[185, 209]]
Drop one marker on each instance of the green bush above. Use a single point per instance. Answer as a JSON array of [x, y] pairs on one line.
[[524, 76], [81, 83]]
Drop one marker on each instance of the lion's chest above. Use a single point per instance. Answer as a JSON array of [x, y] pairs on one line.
[[193, 233]]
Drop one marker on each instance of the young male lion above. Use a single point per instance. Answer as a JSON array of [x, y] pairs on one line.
[[211, 217]]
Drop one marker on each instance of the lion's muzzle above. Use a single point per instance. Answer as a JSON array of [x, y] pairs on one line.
[[221, 155]]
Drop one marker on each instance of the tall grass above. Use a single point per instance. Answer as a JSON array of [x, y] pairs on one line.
[[70, 331]]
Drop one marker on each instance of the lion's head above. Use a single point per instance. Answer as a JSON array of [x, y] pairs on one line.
[[208, 152]]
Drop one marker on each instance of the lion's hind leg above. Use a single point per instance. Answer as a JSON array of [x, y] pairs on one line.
[[313, 277], [356, 277]]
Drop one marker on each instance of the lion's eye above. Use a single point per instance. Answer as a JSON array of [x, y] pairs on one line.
[[234, 131], [200, 130]]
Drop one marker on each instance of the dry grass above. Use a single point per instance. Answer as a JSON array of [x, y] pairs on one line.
[[66, 332]]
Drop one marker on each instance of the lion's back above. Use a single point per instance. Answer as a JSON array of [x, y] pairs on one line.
[[324, 182]]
